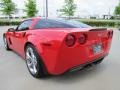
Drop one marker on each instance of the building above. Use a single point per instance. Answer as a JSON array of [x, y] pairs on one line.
[[107, 16]]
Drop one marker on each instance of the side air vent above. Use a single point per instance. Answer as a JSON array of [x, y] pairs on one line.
[[10, 41]]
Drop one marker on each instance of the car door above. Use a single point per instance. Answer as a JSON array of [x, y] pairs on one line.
[[18, 39]]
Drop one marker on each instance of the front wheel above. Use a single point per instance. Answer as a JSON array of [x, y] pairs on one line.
[[99, 61], [33, 62], [6, 43]]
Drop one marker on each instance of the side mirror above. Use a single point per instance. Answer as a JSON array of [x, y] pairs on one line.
[[11, 30]]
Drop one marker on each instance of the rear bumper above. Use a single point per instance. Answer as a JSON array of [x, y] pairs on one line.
[[86, 64], [67, 67]]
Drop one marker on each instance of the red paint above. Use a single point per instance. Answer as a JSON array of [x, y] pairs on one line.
[[57, 56]]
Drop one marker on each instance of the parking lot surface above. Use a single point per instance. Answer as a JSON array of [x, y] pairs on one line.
[[15, 76]]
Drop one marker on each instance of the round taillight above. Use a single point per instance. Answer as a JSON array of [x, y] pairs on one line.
[[82, 38], [70, 40]]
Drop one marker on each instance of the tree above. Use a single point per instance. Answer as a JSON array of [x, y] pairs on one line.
[[31, 9], [69, 8], [117, 10], [8, 7]]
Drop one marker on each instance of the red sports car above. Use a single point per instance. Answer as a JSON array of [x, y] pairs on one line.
[[55, 46]]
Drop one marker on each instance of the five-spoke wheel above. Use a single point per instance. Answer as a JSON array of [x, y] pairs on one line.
[[33, 62]]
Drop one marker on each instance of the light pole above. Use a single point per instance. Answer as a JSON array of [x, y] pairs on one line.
[[46, 4]]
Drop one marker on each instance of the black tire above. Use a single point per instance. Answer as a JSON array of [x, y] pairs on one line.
[[99, 61], [6, 43], [40, 68]]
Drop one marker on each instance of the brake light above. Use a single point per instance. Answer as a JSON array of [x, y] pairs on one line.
[[82, 38], [70, 40]]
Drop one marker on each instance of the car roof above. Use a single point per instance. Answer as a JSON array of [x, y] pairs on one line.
[[44, 18]]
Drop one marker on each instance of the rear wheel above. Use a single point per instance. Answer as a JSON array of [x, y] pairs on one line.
[[6, 43], [33, 62]]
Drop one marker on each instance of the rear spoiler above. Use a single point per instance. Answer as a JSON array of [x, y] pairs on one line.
[[98, 29]]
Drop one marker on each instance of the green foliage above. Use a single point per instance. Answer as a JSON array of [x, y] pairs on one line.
[[101, 23], [112, 17], [117, 10], [96, 23], [8, 7], [69, 8], [31, 9], [7, 23]]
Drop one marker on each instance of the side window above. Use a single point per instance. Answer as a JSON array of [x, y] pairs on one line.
[[48, 23], [41, 24], [24, 25]]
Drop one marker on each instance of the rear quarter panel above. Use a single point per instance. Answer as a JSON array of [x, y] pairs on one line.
[[48, 44]]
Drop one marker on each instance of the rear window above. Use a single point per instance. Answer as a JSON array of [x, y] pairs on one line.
[[58, 23]]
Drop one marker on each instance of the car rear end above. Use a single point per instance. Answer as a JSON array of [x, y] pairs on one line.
[[81, 47]]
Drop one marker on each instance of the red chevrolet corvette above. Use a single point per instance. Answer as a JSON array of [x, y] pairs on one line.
[[55, 46]]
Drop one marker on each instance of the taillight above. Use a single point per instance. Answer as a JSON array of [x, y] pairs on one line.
[[82, 39], [70, 40], [110, 34]]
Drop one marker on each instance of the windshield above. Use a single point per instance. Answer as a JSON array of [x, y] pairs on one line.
[[58, 23]]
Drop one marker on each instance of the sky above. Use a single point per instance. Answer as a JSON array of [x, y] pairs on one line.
[[84, 7]]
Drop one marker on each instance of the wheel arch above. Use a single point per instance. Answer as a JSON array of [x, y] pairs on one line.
[[41, 60], [26, 44]]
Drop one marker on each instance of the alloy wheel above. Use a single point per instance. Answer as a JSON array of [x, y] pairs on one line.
[[5, 43], [31, 60]]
